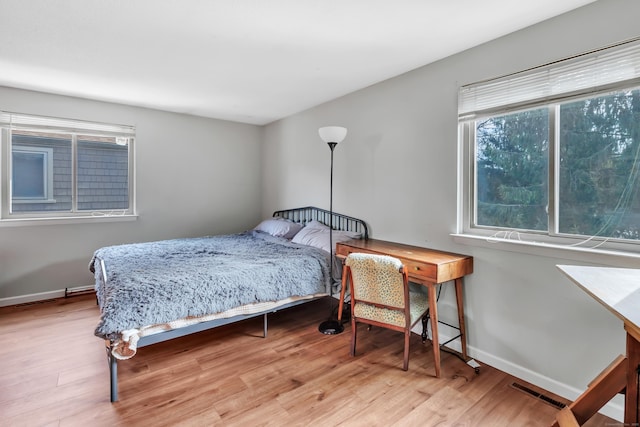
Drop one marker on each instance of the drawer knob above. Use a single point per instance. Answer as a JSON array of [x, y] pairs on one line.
[[417, 268]]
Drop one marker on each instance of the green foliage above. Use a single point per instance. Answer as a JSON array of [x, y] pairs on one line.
[[512, 170]]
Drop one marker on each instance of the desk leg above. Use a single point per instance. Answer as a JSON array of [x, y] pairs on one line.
[[463, 331], [631, 411], [433, 316], [342, 291]]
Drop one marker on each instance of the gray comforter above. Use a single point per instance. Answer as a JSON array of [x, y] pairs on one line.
[[158, 282]]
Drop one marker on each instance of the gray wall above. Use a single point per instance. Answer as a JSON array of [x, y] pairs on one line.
[[397, 170], [195, 176]]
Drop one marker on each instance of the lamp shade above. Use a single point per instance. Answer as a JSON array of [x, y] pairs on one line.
[[332, 133]]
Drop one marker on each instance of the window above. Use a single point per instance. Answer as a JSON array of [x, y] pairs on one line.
[[32, 174], [65, 168], [553, 154]]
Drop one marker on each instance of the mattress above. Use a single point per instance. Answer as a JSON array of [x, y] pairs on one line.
[[147, 288]]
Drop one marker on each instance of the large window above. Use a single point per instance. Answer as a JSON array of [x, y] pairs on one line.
[[553, 154], [56, 168]]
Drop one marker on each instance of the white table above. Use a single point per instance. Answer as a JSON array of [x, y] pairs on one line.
[[618, 290]]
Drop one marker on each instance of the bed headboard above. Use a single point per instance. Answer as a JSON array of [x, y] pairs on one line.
[[340, 222]]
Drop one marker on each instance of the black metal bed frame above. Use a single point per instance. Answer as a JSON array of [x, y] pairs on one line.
[[298, 215], [339, 222]]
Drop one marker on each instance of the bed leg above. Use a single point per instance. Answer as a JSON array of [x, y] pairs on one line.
[[113, 374], [264, 332]]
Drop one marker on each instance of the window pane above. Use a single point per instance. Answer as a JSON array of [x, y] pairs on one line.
[[511, 170], [29, 174], [103, 173], [54, 172], [599, 166]]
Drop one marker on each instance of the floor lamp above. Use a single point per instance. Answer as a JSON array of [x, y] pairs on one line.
[[332, 135]]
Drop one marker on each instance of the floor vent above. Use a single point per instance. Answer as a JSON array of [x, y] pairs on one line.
[[537, 395], [42, 301]]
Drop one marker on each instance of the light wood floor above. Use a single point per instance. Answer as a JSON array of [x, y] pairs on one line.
[[53, 372]]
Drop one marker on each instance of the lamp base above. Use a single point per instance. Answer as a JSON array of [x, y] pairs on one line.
[[331, 327]]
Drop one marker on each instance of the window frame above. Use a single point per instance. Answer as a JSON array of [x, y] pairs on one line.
[[587, 75], [551, 238], [26, 122]]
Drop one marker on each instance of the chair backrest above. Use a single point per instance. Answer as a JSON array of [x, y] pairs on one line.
[[378, 279]]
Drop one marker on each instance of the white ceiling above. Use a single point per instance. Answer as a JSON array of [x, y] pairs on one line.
[[251, 61]]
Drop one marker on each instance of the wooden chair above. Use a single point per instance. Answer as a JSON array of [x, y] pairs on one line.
[[380, 296]]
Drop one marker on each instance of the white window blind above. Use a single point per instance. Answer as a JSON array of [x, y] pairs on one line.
[[24, 121], [597, 71]]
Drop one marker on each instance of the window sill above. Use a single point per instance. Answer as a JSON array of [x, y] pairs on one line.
[[33, 201], [66, 220], [596, 256]]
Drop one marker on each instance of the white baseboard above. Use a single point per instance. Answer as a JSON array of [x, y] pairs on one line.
[[41, 296]]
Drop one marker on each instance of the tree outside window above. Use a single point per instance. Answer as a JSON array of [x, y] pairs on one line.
[[597, 183]]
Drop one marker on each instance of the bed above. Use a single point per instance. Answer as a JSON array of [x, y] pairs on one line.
[[156, 291]]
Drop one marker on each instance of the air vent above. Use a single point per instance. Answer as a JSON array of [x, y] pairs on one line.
[[537, 395], [42, 301]]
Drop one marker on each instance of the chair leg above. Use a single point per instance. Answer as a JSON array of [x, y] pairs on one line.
[[354, 329], [407, 336]]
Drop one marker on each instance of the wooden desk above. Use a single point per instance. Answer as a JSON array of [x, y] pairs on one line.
[[427, 267], [618, 289]]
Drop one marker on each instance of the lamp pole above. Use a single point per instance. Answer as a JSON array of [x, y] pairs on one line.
[[332, 146], [332, 135]]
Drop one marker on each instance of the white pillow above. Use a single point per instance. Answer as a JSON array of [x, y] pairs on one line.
[[316, 224], [319, 237], [279, 227]]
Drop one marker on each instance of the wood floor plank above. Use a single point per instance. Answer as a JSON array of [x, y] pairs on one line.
[[397, 405], [445, 405], [55, 373]]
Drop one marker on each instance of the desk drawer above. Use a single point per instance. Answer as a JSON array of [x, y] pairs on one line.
[[417, 270], [421, 270]]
